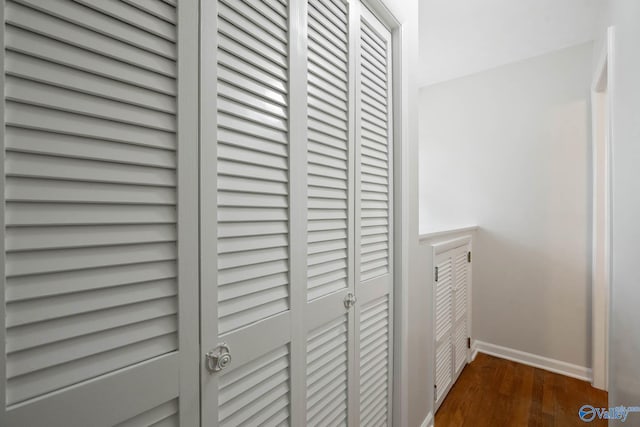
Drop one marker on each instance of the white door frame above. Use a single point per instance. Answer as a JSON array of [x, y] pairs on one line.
[[601, 92]]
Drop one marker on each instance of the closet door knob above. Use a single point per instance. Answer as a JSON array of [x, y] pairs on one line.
[[349, 300], [218, 358]]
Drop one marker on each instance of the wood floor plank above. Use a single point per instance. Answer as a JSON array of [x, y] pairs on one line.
[[493, 392], [548, 394]]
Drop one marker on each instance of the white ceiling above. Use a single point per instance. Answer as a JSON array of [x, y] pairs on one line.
[[461, 37]]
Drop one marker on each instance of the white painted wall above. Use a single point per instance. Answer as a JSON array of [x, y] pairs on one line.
[[509, 150], [462, 37], [624, 377]]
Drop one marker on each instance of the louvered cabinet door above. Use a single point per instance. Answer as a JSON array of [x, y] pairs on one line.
[[374, 207], [330, 206], [443, 327], [451, 307], [460, 309], [99, 246]]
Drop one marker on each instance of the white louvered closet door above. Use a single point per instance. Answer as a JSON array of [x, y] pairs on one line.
[[279, 192], [330, 205], [100, 254], [249, 210], [374, 236]]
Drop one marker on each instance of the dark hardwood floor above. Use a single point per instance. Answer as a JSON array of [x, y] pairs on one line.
[[496, 392]]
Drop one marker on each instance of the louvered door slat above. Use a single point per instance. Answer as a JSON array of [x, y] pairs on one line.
[[91, 283], [60, 76], [236, 15], [26, 386], [21, 140], [155, 8], [29, 92], [109, 26], [59, 30], [111, 316], [332, 17], [161, 415], [135, 17], [57, 52]]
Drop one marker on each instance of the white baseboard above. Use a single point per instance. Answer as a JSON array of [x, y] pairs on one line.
[[552, 365], [428, 422]]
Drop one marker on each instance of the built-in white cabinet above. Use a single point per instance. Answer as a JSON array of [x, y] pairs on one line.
[[451, 305]]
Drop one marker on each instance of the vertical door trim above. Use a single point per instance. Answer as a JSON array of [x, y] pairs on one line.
[[601, 102], [3, 330], [208, 165], [298, 208], [400, 399], [353, 275], [188, 216], [355, 20], [469, 300]]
